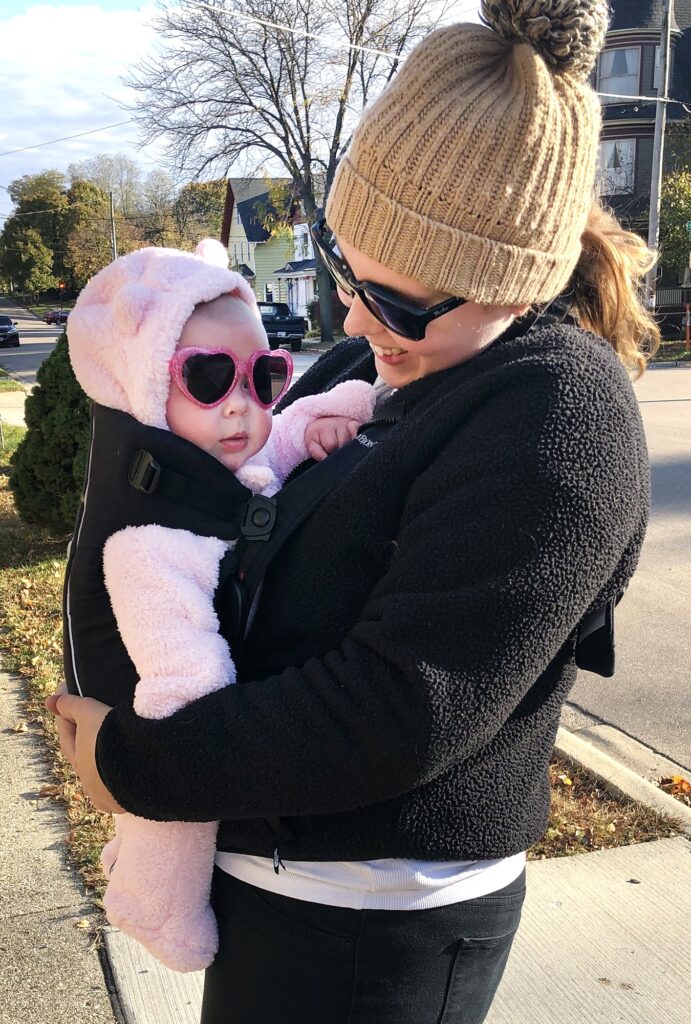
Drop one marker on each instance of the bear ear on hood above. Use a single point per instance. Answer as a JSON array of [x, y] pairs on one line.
[[212, 252], [130, 306]]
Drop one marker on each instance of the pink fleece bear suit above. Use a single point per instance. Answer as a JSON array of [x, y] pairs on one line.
[[161, 582]]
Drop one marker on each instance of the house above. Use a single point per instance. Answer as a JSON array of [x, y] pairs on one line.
[[299, 275], [629, 65], [279, 266], [253, 250]]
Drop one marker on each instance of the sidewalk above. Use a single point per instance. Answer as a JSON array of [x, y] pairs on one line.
[[604, 935], [12, 407], [49, 971]]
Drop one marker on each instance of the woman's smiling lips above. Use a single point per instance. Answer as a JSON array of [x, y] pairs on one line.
[[390, 356]]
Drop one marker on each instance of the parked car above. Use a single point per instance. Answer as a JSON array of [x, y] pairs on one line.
[[56, 316], [281, 325], [9, 335]]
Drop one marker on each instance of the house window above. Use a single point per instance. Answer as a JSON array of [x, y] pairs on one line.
[[619, 71], [657, 76], [616, 167], [269, 292], [238, 219]]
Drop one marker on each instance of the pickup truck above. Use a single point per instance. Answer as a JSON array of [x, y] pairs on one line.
[[281, 326]]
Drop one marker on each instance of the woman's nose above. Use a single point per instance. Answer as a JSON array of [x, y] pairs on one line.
[[359, 320]]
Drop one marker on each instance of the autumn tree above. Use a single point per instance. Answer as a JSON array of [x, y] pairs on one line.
[[27, 263], [198, 210], [675, 214], [225, 90], [40, 203]]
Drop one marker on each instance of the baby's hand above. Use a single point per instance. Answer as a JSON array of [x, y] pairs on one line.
[[327, 433]]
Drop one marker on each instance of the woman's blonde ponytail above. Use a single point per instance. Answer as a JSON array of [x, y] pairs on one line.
[[607, 285]]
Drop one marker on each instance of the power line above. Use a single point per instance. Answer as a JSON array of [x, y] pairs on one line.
[[34, 213], [78, 135], [345, 44], [338, 44]]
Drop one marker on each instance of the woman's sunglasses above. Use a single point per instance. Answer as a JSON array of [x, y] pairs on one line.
[[207, 375], [401, 317]]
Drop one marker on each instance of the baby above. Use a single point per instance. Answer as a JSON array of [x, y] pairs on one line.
[[171, 348]]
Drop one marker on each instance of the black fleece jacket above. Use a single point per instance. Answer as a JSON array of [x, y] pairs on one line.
[[415, 640]]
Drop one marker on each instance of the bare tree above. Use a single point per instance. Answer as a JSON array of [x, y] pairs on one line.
[[226, 91], [112, 172]]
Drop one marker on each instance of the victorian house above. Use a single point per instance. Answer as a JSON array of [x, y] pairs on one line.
[[630, 65]]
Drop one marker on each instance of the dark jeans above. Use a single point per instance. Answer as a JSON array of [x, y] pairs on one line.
[[284, 961]]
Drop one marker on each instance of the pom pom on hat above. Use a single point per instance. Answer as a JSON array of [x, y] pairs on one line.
[[568, 34]]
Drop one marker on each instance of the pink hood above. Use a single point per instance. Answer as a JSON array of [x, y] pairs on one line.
[[128, 319]]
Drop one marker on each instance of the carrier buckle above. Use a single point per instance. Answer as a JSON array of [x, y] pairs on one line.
[[145, 472], [260, 518]]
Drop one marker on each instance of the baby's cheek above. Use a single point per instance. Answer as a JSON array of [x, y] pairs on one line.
[[263, 428], [182, 419]]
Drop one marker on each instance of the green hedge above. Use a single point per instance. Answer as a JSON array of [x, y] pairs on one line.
[[49, 464]]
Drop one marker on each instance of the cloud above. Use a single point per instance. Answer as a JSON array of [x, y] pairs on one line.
[[60, 75]]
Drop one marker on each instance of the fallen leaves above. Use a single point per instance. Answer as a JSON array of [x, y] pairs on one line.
[[584, 817], [678, 787], [52, 791]]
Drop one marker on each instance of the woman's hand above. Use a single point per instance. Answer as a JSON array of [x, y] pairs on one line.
[[78, 722]]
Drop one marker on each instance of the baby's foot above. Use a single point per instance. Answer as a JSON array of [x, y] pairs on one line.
[[183, 941]]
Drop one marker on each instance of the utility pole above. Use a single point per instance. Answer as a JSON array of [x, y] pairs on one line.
[[113, 239], [659, 147]]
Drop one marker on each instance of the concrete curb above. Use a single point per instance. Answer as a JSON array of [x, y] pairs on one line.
[[619, 780]]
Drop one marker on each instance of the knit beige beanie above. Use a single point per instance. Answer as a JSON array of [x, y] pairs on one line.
[[473, 173]]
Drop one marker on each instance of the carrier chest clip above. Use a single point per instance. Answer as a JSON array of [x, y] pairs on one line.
[[260, 518]]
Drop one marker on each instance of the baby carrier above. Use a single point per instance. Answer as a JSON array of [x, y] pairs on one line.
[[137, 475], [144, 475]]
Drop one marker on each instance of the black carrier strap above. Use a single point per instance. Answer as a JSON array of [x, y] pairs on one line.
[[272, 521], [595, 642]]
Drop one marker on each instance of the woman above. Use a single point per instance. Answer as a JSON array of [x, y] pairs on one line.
[[384, 770]]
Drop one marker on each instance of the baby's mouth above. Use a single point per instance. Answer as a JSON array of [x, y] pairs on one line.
[[234, 442]]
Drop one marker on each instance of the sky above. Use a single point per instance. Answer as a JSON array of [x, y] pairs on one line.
[[60, 74]]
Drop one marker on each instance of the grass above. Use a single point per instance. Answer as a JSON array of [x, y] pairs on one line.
[[32, 564], [585, 817], [41, 309], [673, 351], [8, 384]]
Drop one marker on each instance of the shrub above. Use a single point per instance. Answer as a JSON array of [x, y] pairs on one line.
[[338, 312], [48, 466]]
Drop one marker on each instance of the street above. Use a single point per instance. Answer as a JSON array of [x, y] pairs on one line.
[[38, 339], [648, 698], [36, 343]]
